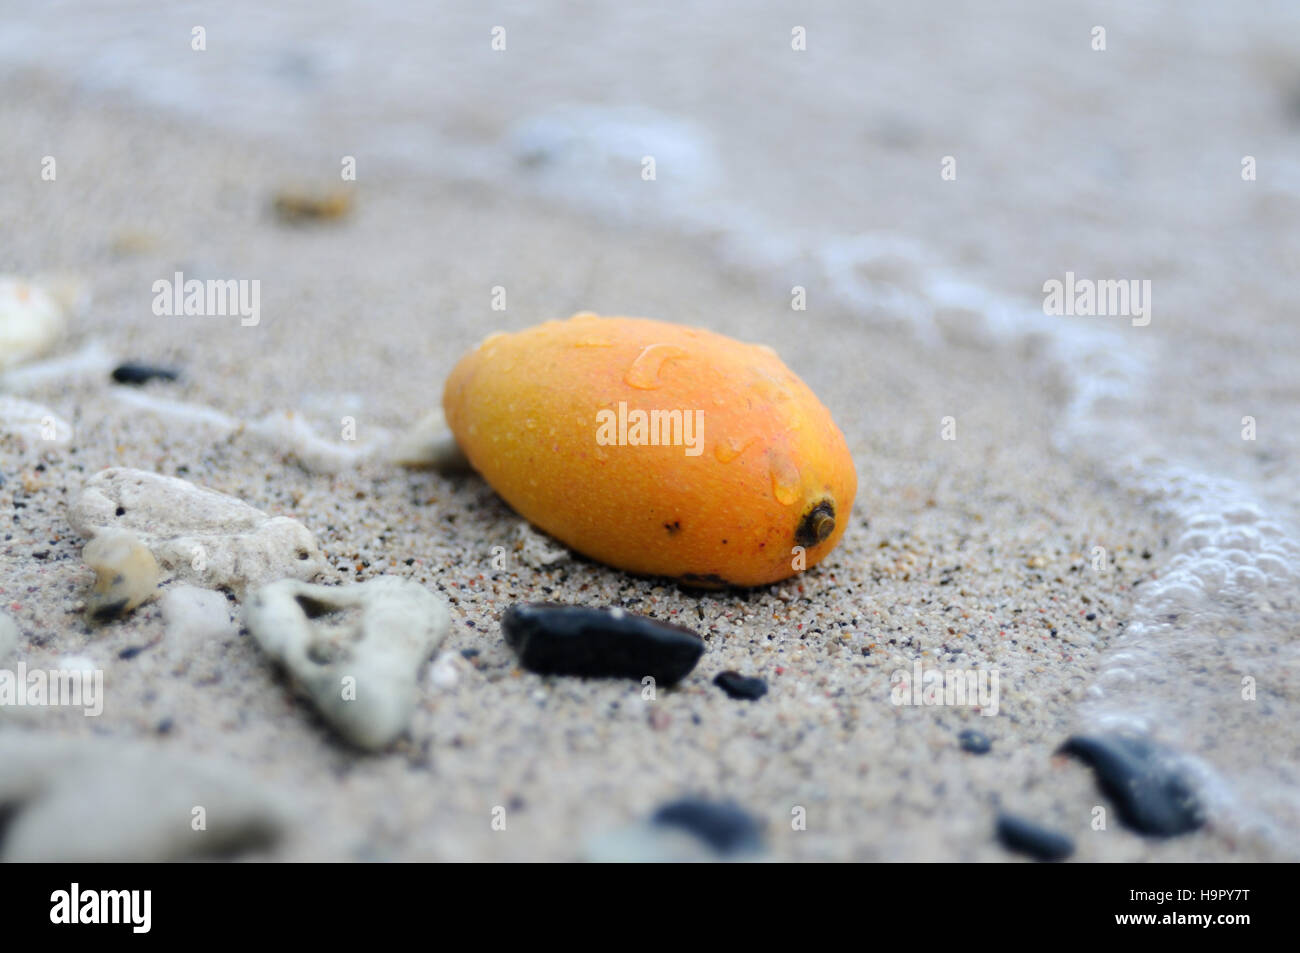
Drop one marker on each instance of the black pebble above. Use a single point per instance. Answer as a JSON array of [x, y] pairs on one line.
[[741, 686], [110, 611], [142, 373], [976, 742], [1152, 792], [1026, 837], [468, 653], [722, 825], [553, 639]]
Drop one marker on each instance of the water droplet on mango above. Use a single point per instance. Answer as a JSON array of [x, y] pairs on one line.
[[785, 479], [644, 374], [728, 448]]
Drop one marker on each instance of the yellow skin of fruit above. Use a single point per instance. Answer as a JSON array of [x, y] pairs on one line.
[[773, 474]]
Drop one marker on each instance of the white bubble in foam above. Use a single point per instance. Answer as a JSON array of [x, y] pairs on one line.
[[1205, 521], [1238, 557], [1212, 575], [1248, 579], [1238, 537], [1118, 676], [1275, 568], [1243, 513], [1194, 539], [1180, 594]]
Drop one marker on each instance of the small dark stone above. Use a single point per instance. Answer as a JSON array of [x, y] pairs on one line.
[[1026, 837], [165, 726], [131, 651], [553, 639], [741, 686], [1151, 789], [142, 373], [110, 611], [469, 653], [722, 825], [1091, 616], [976, 742], [816, 525]]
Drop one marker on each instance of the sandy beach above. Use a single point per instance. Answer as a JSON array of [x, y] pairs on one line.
[[973, 553]]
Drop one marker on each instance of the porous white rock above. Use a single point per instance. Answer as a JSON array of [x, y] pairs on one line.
[[198, 535], [32, 319], [91, 802], [360, 667], [126, 574]]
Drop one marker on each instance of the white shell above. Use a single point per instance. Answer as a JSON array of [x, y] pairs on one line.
[[126, 574], [31, 321]]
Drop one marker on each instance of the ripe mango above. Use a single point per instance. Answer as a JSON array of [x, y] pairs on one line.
[[656, 448]]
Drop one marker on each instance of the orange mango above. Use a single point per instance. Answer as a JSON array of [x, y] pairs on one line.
[[656, 448]]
